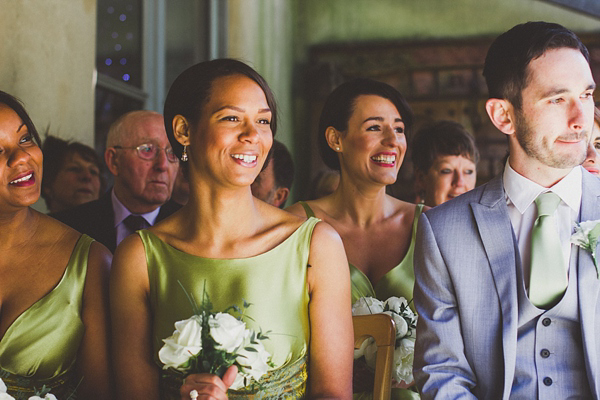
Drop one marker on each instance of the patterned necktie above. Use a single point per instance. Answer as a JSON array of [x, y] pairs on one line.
[[135, 223], [548, 276]]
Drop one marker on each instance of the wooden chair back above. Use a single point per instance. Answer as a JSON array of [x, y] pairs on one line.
[[380, 327]]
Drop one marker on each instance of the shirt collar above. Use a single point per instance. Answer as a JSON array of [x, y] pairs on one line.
[[121, 212], [522, 191]]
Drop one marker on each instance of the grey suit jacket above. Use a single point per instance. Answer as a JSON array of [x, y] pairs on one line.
[[465, 293]]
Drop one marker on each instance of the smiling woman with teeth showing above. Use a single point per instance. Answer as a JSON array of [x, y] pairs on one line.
[[220, 118], [362, 133], [53, 291]]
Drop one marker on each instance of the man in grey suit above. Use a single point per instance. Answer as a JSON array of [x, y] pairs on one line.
[[508, 307]]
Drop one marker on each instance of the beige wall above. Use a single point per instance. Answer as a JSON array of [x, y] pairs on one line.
[[260, 33], [48, 58]]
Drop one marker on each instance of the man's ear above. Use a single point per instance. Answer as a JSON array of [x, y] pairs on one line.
[[281, 195], [110, 158], [334, 139], [181, 129], [501, 113]]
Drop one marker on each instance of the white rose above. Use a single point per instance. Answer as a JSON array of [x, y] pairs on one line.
[[253, 363], [185, 342], [227, 331], [50, 396], [403, 361], [401, 325], [366, 306], [6, 396], [396, 304], [2, 386], [238, 382], [35, 398]]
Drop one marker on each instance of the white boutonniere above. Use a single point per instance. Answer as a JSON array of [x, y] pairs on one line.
[[586, 236]]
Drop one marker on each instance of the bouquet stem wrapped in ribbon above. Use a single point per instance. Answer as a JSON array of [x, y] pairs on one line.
[[406, 325], [210, 342]]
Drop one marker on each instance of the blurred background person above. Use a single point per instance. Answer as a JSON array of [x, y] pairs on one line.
[[140, 158], [72, 174], [363, 133], [445, 159], [54, 320], [274, 182], [324, 184], [592, 159]]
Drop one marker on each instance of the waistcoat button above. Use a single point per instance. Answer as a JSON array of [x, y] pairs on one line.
[[546, 322], [547, 381], [545, 353]]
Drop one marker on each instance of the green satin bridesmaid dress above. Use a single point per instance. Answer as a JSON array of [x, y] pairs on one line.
[[398, 281], [273, 282], [40, 347]]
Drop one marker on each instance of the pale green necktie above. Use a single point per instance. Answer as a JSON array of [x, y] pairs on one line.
[[548, 276]]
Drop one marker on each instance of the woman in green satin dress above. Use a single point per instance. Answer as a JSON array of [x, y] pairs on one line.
[[362, 133], [220, 116], [53, 290]]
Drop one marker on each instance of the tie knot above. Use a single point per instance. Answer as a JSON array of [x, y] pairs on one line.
[[547, 203], [135, 222]]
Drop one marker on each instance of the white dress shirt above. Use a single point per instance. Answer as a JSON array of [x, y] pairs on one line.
[[121, 212], [520, 195]]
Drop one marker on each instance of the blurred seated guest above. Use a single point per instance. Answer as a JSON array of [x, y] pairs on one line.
[[140, 158], [224, 243], [324, 184], [445, 158], [54, 288], [181, 187], [592, 160], [72, 174], [274, 182]]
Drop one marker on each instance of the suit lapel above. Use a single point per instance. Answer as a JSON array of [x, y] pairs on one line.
[[495, 230], [589, 285]]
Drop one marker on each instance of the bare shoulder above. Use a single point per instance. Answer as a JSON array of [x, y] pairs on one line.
[[56, 234]]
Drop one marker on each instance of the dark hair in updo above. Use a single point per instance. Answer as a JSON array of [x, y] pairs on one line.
[[191, 90], [340, 105], [16, 105]]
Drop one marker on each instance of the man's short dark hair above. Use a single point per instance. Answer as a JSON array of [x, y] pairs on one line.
[[442, 138], [509, 55], [283, 165]]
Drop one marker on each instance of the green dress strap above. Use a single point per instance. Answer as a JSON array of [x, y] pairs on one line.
[[40, 347], [309, 211]]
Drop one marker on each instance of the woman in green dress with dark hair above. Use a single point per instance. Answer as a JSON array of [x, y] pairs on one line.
[[220, 116], [53, 290], [363, 133]]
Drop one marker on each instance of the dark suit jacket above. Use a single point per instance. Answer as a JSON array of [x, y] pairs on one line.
[[96, 219]]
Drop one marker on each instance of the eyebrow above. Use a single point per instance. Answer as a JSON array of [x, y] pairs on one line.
[[22, 125], [557, 91], [238, 109], [380, 119]]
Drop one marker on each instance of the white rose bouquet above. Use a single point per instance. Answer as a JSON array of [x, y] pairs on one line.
[[42, 394], [210, 342], [406, 326]]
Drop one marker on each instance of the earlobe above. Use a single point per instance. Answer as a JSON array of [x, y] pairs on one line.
[[181, 130], [333, 138], [281, 195], [110, 158], [501, 114]]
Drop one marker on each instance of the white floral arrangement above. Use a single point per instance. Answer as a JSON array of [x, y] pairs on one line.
[[210, 342], [406, 325], [586, 236], [43, 394]]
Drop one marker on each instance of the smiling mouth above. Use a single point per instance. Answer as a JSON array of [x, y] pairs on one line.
[[26, 178], [385, 159], [245, 158]]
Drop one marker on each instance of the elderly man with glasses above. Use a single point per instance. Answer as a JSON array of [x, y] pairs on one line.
[[139, 156]]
